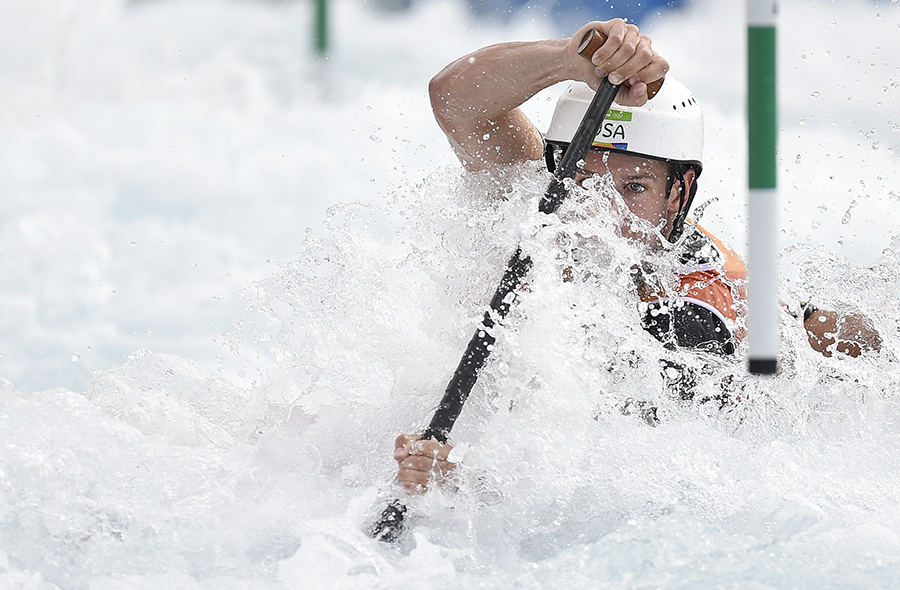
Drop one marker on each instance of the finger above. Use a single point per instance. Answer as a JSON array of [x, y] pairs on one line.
[[414, 471], [634, 96], [628, 61], [403, 444], [431, 448], [406, 439], [418, 463], [638, 93], [427, 465], [617, 49], [614, 30], [646, 72]]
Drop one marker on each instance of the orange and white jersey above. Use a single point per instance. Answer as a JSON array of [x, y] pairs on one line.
[[706, 309]]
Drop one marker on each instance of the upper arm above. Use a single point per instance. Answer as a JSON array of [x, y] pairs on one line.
[[481, 143]]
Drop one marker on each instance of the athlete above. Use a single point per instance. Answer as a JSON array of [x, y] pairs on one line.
[[652, 151]]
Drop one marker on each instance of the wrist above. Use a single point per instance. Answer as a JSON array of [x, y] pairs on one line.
[[564, 63]]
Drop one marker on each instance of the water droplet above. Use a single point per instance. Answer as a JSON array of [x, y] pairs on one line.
[[847, 215], [815, 95]]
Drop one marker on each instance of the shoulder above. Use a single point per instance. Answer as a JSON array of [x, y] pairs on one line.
[[703, 311], [712, 276]]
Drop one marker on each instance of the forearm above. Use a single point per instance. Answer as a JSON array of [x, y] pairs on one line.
[[850, 334], [476, 99]]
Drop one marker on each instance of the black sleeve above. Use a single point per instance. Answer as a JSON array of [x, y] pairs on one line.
[[688, 325]]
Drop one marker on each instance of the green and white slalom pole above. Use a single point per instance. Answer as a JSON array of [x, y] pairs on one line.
[[762, 294], [320, 26]]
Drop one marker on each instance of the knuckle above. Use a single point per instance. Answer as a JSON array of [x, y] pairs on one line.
[[644, 51]]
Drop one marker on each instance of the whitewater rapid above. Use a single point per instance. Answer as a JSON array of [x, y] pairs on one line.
[[234, 274]]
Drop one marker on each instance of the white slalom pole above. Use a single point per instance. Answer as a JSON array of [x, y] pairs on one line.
[[762, 124]]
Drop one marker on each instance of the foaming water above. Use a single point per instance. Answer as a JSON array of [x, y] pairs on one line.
[[164, 473], [559, 484]]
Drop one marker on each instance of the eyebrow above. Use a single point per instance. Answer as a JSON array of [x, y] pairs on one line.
[[641, 176]]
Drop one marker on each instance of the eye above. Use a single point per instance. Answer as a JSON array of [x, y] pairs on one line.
[[635, 187]]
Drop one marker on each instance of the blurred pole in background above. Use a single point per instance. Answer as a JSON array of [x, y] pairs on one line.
[[762, 127], [320, 22]]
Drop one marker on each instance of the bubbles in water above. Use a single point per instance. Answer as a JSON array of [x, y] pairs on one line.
[[847, 214]]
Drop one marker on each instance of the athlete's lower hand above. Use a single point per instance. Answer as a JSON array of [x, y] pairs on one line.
[[421, 462]]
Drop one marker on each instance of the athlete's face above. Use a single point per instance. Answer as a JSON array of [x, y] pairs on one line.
[[642, 184]]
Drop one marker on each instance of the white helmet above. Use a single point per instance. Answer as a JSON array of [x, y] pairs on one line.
[[668, 127]]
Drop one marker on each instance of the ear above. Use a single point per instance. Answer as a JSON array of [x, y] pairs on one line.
[[674, 201]]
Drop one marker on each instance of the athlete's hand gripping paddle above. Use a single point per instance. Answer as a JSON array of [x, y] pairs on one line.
[[390, 524]]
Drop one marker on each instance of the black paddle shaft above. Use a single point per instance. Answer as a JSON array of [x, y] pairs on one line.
[[390, 525], [517, 268]]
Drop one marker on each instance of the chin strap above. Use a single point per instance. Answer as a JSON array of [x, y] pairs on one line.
[[684, 204], [550, 157]]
